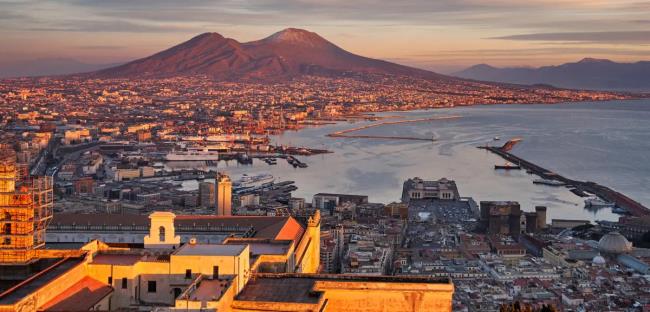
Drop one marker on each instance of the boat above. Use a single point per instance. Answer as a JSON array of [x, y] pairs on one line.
[[247, 181], [192, 155], [597, 202], [548, 182], [496, 138], [507, 166], [619, 210]]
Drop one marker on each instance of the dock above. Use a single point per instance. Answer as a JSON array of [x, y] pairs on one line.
[[621, 200], [347, 133]]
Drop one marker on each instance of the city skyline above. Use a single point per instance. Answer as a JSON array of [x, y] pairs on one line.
[[444, 36]]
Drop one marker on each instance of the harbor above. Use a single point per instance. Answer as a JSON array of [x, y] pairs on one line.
[[613, 198]]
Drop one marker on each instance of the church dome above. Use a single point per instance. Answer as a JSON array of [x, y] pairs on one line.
[[614, 243]]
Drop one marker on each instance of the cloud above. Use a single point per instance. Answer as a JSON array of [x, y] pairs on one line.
[[640, 36]]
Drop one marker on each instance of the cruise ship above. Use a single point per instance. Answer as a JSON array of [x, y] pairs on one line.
[[247, 181], [597, 202]]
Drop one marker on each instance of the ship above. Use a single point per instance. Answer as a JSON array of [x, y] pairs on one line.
[[548, 182], [597, 202], [507, 166], [247, 181], [192, 155]]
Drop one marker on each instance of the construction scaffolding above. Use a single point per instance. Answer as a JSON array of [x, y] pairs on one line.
[[25, 211]]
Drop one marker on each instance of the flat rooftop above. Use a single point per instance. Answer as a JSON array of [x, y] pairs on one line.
[[209, 250], [209, 289], [297, 290], [116, 259]]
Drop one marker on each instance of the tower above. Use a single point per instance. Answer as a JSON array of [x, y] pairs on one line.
[[25, 210], [162, 233], [541, 217], [207, 194], [224, 195]]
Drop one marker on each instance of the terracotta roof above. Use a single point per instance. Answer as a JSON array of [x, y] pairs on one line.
[[82, 296]]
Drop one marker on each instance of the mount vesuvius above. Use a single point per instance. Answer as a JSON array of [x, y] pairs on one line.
[[285, 54]]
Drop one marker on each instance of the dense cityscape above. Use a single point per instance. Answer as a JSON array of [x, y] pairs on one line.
[[434, 156], [117, 152]]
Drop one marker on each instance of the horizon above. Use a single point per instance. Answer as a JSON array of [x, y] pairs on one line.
[[445, 36]]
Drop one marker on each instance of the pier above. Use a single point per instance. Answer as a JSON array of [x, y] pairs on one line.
[[621, 200], [347, 133]]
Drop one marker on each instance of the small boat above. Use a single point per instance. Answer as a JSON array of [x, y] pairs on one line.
[[548, 182], [496, 138], [507, 166], [619, 210], [597, 202]]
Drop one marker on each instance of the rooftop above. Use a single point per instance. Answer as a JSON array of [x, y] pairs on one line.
[[82, 296], [210, 250], [38, 280]]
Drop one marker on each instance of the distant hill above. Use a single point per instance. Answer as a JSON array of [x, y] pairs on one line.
[[589, 73], [47, 67], [285, 54]]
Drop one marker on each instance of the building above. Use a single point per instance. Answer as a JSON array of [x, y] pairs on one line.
[[207, 194], [25, 210], [329, 201], [240, 274], [417, 188], [501, 217], [224, 195]]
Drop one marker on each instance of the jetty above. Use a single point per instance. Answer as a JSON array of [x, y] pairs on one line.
[[621, 200], [348, 132]]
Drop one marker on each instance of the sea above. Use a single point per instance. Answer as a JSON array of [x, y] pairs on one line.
[[604, 142]]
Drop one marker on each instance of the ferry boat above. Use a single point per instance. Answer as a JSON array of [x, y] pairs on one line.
[[194, 155], [548, 182], [507, 166], [247, 181], [597, 202]]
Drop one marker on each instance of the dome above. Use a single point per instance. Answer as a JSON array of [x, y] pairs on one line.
[[615, 243], [598, 260]]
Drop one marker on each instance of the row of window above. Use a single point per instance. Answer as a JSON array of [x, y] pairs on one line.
[[151, 285]]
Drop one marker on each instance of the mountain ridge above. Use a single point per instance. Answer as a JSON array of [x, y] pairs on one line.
[[588, 73]]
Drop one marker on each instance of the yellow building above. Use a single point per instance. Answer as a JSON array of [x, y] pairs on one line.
[[165, 274]]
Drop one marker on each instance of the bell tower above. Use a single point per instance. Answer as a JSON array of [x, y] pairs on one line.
[[162, 233]]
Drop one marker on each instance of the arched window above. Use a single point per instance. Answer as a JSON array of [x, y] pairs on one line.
[[161, 233], [6, 228]]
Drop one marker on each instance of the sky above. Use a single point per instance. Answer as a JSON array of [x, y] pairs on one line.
[[442, 35]]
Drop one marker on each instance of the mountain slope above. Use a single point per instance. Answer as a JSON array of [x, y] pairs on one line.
[[288, 53], [588, 73]]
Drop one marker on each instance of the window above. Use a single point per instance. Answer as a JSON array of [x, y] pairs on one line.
[[161, 233], [110, 280], [151, 286], [7, 241], [188, 273], [6, 228], [124, 283]]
